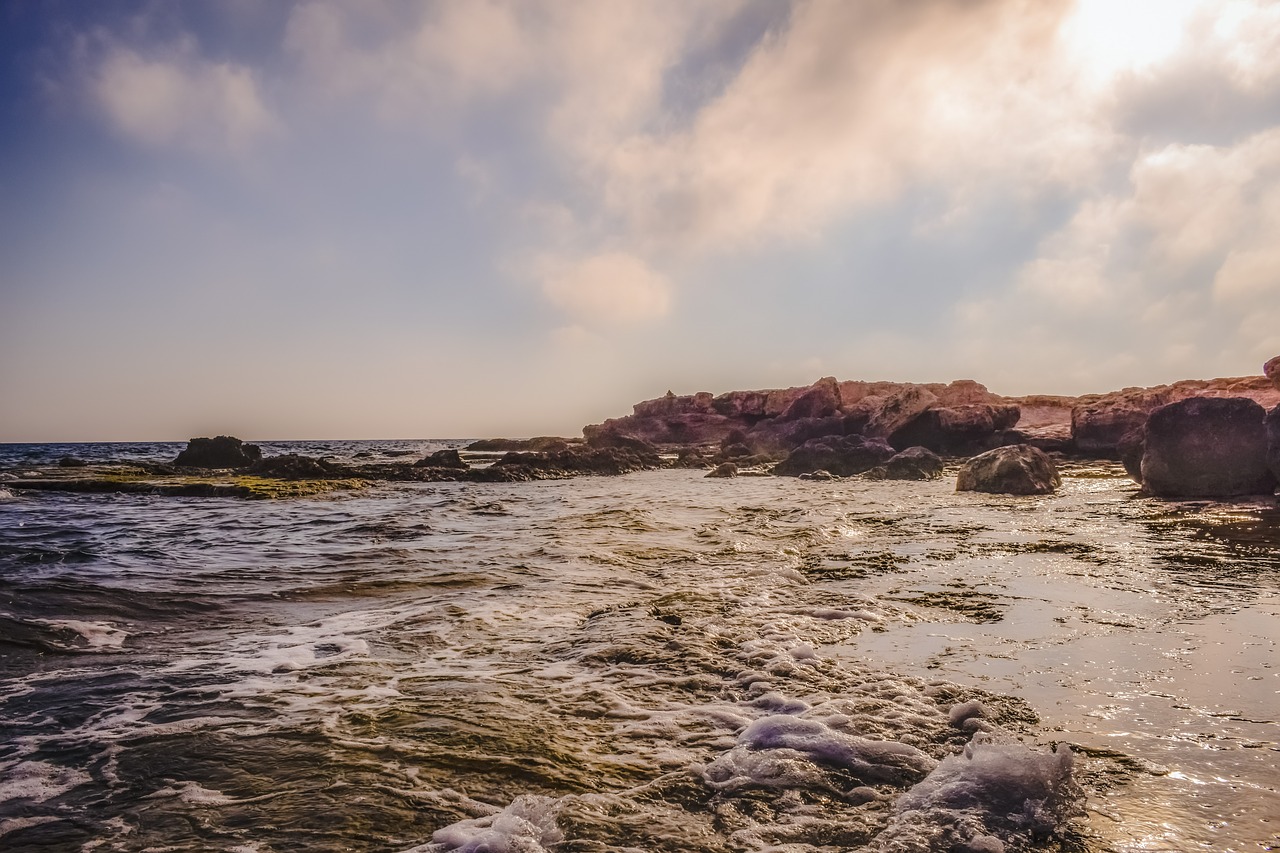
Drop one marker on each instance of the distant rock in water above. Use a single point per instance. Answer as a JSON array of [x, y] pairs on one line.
[[291, 466], [442, 459], [71, 462], [1207, 447], [537, 444], [223, 451], [724, 469], [1015, 470]]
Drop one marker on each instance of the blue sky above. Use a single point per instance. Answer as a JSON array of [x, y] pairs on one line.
[[409, 219]]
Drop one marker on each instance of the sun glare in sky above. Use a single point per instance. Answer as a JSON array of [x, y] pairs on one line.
[[1112, 36]]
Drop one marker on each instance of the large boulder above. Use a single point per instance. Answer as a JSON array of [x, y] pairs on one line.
[[821, 400], [843, 456], [914, 463], [223, 451], [450, 459], [958, 430], [1272, 371], [1207, 447], [1018, 469], [888, 414]]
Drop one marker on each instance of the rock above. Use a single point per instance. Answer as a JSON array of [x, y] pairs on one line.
[[914, 463], [566, 463], [291, 466], [821, 400], [541, 443], [724, 469], [1098, 429], [1271, 370], [71, 462], [819, 475], [887, 415], [957, 430], [843, 456], [1015, 470], [779, 436], [1130, 449], [443, 459], [1272, 425], [735, 451], [223, 451], [617, 441], [1207, 447]]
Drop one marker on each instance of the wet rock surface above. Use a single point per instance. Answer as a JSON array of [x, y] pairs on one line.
[[1015, 470], [842, 456], [1206, 447], [223, 451]]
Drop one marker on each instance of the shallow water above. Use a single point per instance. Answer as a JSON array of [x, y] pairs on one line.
[[649, 662]]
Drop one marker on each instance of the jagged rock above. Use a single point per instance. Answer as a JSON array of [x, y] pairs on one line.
[[914, 463], [957, 430], [223, 451], [617, 441], [447, 459], [1207, 447], [887, 415], [1272, 371], [566, 463], [724, 469], [843, 456], [1015, 470], [821, 400], [779, 436]]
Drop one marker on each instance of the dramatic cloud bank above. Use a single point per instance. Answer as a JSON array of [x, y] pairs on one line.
[[501, 216]]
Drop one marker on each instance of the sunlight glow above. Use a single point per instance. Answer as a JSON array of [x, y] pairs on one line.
[[1110, 37]]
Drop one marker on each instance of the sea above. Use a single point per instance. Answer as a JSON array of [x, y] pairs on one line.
[[651, 662]]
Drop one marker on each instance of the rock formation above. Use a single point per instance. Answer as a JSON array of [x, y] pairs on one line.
[[914, 463], [223, 451], [1018, 469], [842, 456], [1206, 447], [1272, 371]]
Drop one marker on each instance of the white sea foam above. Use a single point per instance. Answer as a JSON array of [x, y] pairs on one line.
[[528, 825], [97, 636], [992, 791], [37, 781]]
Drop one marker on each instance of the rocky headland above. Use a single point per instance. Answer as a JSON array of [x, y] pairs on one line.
[[1195, 438]]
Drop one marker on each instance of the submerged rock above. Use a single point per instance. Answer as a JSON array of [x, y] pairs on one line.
[[1015, 470], [1207, 447], [223, 451], [843, 456], [71, 462], [724, 469]]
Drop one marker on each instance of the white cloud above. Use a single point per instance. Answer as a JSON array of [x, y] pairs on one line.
[[613, 289], [182, 101]]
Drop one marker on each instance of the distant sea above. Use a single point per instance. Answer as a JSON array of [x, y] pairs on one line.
[[652, 662]]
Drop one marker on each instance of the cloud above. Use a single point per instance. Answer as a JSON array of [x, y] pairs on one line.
[[183, 102], [610, 289]]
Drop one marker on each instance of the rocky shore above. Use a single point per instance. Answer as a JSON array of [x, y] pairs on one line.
[[1192, 439]]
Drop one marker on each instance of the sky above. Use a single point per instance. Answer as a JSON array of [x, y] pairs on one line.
[[396, 219]]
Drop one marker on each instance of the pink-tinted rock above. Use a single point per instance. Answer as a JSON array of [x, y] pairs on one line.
[[779, 436], [821, 400], [887, 415], [1272, 371], [843, 456], [958, 430], [1206, 447], [1015, 470]]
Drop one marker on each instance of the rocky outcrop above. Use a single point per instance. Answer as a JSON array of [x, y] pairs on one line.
[[567, 463], [292, 466], [889, 414], [958, 430], [223, 451], [724, 470], [539, 444], [1099, 422], [1206, 447], [447, 459], [1014, 470], [914, 463], [843, 456], [1271, 370]]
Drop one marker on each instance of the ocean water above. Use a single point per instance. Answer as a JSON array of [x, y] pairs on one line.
[[651, 662]]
